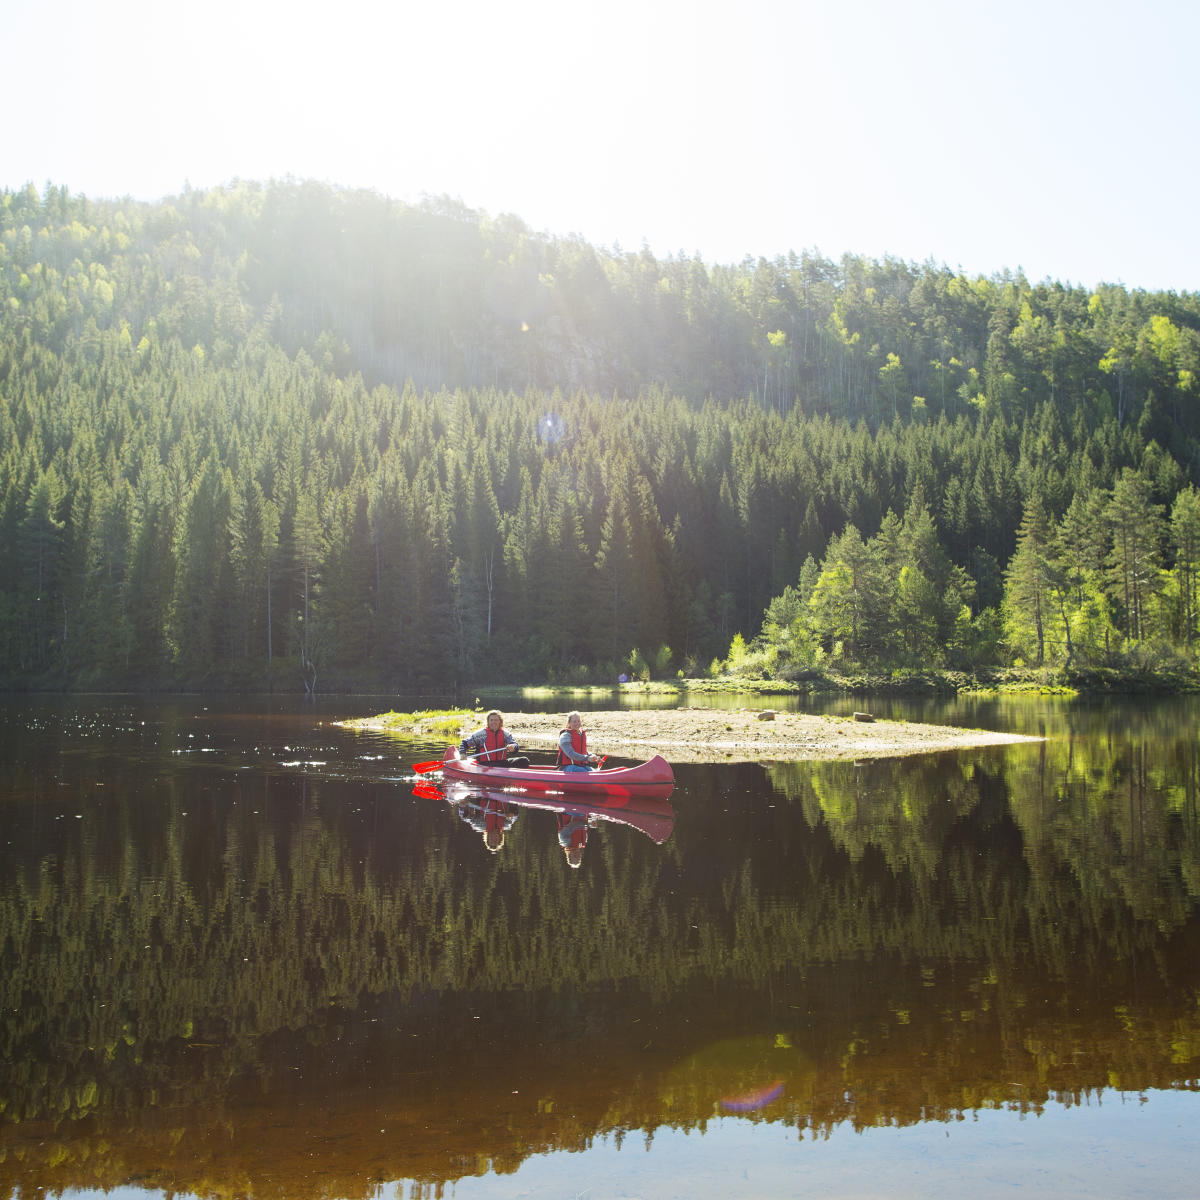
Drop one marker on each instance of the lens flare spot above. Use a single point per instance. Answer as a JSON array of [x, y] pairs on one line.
[[749, 1101], [551, 428]]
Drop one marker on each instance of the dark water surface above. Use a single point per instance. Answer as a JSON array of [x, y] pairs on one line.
[[240, 957]]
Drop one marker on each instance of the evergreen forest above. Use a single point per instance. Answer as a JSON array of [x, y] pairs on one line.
[[289, 436]]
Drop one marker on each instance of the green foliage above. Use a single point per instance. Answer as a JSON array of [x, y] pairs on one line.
[[294, 434], [663, 659], [636, 666]]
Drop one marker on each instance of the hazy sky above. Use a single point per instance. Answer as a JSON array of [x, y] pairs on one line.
[[1055, 136]]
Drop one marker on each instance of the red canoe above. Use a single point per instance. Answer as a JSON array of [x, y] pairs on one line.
[[616, 781]]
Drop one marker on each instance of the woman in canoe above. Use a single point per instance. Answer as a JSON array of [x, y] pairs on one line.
[[493, 745], [572, 746]]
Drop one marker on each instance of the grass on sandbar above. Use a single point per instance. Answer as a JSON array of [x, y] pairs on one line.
[[443, 722]]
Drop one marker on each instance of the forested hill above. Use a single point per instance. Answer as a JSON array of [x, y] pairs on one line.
[[289, 435]]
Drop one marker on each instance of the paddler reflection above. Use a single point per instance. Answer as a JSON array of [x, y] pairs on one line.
[[649, 811], [573, 831], [489, 816]]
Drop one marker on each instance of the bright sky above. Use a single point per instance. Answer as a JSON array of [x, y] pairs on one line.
[[1054, 136]]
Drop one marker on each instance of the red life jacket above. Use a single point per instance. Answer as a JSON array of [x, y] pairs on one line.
[[578, 744], [497, 746]]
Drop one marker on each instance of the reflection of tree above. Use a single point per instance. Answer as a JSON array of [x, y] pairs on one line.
[[997, 927], [1105, 812]]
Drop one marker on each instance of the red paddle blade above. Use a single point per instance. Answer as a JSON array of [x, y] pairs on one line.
[[427, 791], [425, 768]]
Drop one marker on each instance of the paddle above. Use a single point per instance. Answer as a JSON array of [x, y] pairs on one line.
[[438, 763], [425, 768]]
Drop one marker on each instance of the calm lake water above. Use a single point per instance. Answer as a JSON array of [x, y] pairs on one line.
[[241, 955]]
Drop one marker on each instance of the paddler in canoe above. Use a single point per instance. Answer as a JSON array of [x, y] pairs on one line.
[[493, 745], [572, 747]]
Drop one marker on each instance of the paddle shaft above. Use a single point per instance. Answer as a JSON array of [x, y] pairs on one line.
[[437, 764]]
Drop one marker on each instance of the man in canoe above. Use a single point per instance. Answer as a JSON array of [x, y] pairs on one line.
[[572, 746], [493, 745]]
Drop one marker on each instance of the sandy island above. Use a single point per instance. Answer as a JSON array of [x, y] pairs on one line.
[[742, 735]]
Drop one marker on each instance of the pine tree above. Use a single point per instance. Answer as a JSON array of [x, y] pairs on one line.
[[615, 620], [308, 550], [850, 600], [1185, 534], [1135, 560], [1027, 586], [40, 536]]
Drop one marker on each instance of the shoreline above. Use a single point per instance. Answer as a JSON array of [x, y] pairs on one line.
[[721, 735]]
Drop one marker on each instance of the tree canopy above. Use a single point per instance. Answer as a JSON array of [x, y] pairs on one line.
[[291, 435]]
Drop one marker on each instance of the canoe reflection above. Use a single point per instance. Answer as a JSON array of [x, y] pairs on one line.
[[493, 811]]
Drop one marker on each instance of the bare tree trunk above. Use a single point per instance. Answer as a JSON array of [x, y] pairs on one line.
[[489, 576]]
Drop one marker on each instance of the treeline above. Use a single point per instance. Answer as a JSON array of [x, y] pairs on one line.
[[285, 434]]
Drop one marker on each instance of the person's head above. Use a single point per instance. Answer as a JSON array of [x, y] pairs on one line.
[[574, 856], [494, 720], [493, 839], [574, 720]]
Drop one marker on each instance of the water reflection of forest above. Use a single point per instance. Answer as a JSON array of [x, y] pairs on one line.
[[219, 985]]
